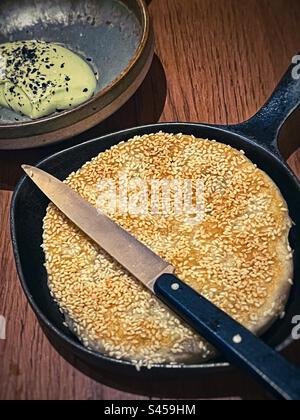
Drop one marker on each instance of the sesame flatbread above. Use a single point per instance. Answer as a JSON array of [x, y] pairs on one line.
[[238, 256]]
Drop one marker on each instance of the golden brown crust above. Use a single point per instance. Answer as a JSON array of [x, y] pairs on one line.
[[238, 257]]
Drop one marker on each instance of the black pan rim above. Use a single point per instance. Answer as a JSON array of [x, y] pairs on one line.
[[215, 366]]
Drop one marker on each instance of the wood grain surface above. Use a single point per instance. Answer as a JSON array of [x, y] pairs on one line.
[[217, 61]]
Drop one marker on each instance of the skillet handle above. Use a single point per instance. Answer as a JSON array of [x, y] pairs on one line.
[[232, 339], [265, 126]]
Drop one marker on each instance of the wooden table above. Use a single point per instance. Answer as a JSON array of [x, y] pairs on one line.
[[217, 61]]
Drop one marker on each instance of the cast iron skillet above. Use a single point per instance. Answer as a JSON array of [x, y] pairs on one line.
[[257, 137], [115, 36]]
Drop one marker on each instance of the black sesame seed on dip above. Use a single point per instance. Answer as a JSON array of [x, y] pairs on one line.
[[27, 62]]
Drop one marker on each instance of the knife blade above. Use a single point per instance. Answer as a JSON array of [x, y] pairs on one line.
[[134, 256], [236, 342]]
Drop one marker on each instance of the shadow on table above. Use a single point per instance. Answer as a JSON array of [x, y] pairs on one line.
[[145, 107], [289, 138]]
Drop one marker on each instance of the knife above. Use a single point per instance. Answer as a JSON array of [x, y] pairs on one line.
[[238, 344]]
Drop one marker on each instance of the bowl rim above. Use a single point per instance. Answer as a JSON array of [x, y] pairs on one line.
[[146, 28], [210, 365]]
